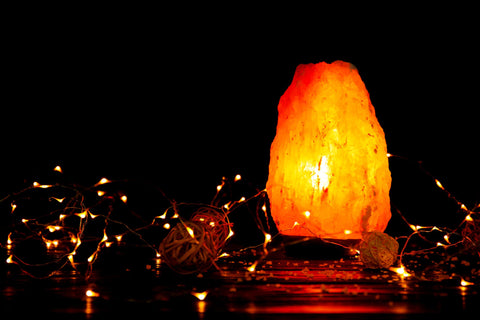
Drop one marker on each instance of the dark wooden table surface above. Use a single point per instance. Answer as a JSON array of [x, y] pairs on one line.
[[125, 286]]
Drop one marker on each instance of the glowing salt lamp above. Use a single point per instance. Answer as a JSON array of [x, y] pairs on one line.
[[328, 173]]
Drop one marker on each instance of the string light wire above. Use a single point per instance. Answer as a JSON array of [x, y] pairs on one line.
[[75, 205]]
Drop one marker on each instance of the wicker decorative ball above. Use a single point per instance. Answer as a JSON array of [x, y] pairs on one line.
[[188, 248], [472, 232], [216, 223], [378, 250]]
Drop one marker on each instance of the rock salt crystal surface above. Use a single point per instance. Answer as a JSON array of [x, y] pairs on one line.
[[328, 173]]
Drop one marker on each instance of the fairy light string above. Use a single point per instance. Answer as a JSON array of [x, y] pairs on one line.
[[65, 231], [446, 242]]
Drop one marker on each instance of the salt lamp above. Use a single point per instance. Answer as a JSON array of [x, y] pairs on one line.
[[328, 173]]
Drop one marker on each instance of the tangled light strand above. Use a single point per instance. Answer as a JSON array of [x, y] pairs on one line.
[[65, 237], [195, 243], [189, 248]]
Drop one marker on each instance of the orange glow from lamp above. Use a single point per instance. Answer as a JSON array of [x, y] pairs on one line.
[[328, 173]]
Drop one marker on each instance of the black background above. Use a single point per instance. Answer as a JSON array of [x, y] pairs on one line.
[[180, 99]]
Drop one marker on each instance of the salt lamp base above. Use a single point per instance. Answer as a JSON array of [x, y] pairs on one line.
[[315, 248]]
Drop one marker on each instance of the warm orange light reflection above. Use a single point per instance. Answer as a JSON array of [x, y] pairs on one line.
[[53, 228], [60, 200], [190, 231], [43, 186], [252, 267], [91, 293], [82, 215], [465, 283], [401, 271], [102, 181], [439, 184], [200, 295]]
